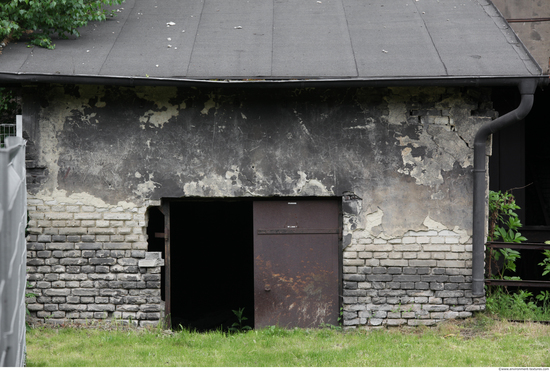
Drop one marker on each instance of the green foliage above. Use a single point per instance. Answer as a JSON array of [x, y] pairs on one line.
[[238, 326], [519, 305], [544, 297], [503, 224], [509, 258], [8, 103], [43, 18], [546, 262], [28, 295], [502, 208]]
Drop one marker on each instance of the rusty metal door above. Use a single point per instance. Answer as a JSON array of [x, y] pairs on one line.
[[296, 264]]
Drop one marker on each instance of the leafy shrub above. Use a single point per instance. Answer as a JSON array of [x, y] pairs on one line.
[[519, 305], [503, 224], [47, 17]]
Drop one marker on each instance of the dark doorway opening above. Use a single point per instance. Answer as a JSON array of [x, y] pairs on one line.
[[155, 240], [211, 257], [520, 162]]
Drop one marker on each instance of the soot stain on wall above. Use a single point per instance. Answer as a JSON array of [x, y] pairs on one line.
[[404, 151]]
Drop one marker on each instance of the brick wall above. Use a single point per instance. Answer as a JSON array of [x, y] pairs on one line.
[[418, 279], [84, 264]]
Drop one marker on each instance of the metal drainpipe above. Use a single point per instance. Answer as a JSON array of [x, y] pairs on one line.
[[527, 89]]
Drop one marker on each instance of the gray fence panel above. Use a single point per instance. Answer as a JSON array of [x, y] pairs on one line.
[[13, 252]]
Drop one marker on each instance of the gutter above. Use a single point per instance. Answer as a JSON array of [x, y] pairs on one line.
[[527, 88], [10, 78]]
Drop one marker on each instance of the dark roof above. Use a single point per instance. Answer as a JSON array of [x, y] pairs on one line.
[[339, 40]]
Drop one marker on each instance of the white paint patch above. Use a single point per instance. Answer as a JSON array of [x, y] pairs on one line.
[[374, 219], [161, 98], [208, 105], [311, 187], [464, 236], [433, 225], [81, 198], [145, 188]]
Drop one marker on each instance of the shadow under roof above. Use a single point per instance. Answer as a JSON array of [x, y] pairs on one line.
[[282, 40]]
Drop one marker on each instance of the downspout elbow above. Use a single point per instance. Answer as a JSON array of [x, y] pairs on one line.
[[527, 89]]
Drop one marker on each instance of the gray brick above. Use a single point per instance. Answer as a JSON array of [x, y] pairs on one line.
[[379, 270], [85, 292], [421, 285], [102, 254], [364, 270], [72, 254], [73, 276], [393, 285], [73, 231], [117, 216], [394, 270], [43, 254], [73, 261], [118, 246], [72, 307], [44, 238], [35, 261], [449, 294], [50, 307], [103, 261], [379, 277], [36, 246], [118, 253], [354, 277], [89, 246], [88, 269], [60, 246], [138, 254], [127, 308], [436, 308], [102, 269], [101, 307], [451, 286], [57, 292], [113, 292], [355, 293], [153, 284], [128, 277], [150, 308], [151, 277], [127, 261], [88, 253], [406, 278]]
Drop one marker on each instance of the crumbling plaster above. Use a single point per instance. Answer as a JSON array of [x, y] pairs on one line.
[[404, 153]]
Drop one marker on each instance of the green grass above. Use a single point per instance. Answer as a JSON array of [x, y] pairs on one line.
[[479, 342], [520, 305]]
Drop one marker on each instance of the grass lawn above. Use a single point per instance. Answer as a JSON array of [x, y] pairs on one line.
[[479, 342]]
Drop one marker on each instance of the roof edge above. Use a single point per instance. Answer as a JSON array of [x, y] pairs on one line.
[[474, 81]]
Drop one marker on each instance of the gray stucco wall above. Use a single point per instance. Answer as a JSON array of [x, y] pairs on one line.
[[100, 155]]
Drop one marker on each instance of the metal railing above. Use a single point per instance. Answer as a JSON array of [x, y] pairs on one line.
[[517, 246], [13, 252], [10, 130]]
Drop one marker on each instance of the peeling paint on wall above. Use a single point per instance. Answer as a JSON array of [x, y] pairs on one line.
[[405, 151]]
